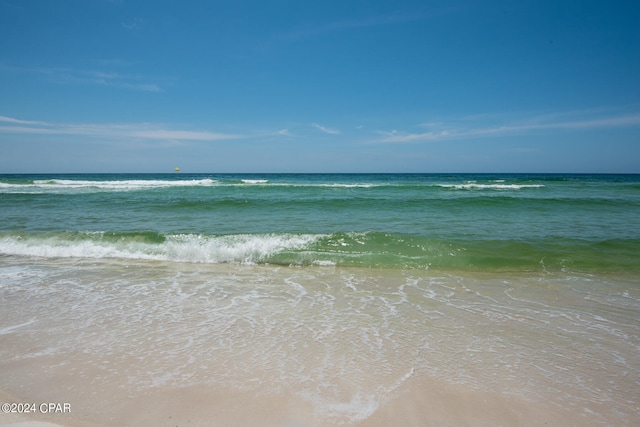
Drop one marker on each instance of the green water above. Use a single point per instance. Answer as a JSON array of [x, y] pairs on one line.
[[339, 290], [444, 221]]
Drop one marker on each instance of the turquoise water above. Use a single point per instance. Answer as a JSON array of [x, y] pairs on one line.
[[472, 222], [343, 291]]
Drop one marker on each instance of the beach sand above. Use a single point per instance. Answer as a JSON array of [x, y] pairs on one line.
[[418, 402], [262, 346]]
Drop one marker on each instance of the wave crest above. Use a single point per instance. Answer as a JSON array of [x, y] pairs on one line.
[[197, 248]]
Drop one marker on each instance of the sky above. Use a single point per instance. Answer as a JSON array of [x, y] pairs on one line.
[[319, 86]]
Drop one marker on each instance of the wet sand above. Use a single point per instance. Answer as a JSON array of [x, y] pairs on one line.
[[150, 344], [198, 407], [420, 401]]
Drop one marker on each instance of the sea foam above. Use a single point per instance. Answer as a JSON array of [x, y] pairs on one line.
[[246, 249], [63, 185], [476, 186]]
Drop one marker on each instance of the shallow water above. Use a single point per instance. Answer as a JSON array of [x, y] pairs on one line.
[[349, 294], [345, 340]]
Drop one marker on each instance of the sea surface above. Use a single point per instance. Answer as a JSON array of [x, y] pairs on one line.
[[337, 288]]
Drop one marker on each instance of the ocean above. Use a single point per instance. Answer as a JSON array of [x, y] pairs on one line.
[[343, 291]]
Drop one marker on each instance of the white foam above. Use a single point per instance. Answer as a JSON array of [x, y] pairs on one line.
[[246, 249], [338, 185], [359, 408], [324, 263], [9, 329], [56, 185], [233, 248], [306, 184], [475, 186]]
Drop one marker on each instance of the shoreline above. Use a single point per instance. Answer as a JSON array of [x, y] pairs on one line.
[[152, 344]]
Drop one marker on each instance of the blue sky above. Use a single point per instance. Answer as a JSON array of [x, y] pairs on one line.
[[322, 86]]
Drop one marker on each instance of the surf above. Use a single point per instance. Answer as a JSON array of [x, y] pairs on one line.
[[341, 249]]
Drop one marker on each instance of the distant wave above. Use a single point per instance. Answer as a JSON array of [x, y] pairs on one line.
[[53, 185], [476, 186], [64, 185], [125, 184]]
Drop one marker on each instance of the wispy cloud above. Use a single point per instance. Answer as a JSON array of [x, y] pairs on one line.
[[102, 78], [184, 135], [326, 129], [456, 130], [626, 120], [139, 131], [20, 122], [70, 76], [309, 30], [400, 136]]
